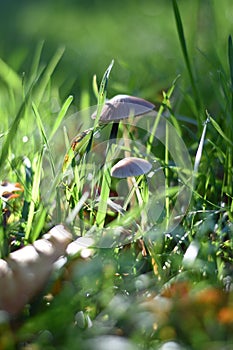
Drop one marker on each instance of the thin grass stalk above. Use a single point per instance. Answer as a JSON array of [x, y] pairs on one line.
[[79, 179], [101, 101], [166, 97], [199, 154], [166, 159], [34, 196], [36, 62], [27, 187], [106, 180], [105, 184], [229, 125], [61, 116], [46, 142], [230, 60], [104, 194], [4, 250]]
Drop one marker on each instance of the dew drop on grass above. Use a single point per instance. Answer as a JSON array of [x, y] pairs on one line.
[[25, 139]]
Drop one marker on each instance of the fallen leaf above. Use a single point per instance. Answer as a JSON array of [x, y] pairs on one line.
[[25, 272]]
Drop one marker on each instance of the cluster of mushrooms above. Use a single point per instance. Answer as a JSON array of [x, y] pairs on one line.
[[119, 108]]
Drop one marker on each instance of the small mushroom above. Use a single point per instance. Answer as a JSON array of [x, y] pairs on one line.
[[121, 107], [130, 166]]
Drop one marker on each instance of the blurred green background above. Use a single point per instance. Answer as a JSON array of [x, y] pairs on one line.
[[139, 35]]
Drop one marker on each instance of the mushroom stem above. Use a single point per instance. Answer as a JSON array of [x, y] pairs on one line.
[[130, 180], [114, 131], [131, 167]]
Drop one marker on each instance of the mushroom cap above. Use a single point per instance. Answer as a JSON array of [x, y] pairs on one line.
[[123, 106], [130, 166]]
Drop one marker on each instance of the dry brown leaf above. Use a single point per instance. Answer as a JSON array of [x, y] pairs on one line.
[[7, 190], [24, 273]]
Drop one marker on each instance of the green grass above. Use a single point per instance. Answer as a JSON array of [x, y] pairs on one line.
[[160, 271]]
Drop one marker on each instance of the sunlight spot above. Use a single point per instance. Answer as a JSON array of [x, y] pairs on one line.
[[170, 346], [25, 139], [27, 162], [151, 173], [97, 135], [85, 253], [89, 176], [191, 253]]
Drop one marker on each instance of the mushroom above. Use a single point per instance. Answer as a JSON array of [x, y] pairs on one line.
[[130, 166], [121, 107]]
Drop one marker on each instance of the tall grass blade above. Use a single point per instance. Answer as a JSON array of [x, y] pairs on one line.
[[61, 115], [166, 159], [9, 76], [40, 88], [13, 130], [3, 236], [104, 195], [19, 116], [34, 196], [166, 97], [185, 54], [101, 100], [35, 62], [44, 137], [102, 93], [38, 224], [95, 86], [230, 58], [220, 131], [106, 181], [27, 187], [50, 155], [229, 128]]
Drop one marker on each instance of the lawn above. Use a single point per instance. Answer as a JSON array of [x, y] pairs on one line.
[[116, 233]]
